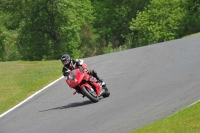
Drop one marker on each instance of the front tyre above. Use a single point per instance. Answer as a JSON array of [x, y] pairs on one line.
[[91, 95]]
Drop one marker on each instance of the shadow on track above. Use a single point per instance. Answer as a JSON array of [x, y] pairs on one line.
[[71, 105]]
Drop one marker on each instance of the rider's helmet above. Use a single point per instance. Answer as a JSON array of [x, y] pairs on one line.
[[66, 60]]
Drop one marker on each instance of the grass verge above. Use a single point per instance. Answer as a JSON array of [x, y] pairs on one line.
[[184, 121], [20, 79]]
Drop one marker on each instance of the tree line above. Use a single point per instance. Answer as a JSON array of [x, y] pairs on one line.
[[46, 29]]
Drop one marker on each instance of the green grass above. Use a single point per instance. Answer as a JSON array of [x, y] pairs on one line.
[[184, 121], [20, 79]]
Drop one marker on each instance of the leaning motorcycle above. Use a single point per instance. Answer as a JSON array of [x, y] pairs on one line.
[[86, 85]]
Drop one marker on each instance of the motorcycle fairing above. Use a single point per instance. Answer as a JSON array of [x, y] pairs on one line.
[[75, 78]]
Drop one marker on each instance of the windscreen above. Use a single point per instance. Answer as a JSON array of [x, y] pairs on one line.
[[72, 74]]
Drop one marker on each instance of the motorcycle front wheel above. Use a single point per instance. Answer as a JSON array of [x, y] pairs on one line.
[[90, 94]]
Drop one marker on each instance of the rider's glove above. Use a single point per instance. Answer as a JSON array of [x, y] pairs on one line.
[[66, 73]]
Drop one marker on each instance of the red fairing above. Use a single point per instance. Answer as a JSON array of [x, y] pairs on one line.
[[97, 86], [76, 77], [86, 85]]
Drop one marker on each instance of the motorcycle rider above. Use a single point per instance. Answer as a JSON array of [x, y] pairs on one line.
[[71, 64]]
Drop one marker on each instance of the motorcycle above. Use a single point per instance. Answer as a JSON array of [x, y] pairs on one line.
[[86, 85]]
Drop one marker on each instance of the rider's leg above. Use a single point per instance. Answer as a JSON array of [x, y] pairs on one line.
[[94, 74]]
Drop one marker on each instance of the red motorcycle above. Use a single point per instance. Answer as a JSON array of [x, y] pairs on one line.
[[86, 85]]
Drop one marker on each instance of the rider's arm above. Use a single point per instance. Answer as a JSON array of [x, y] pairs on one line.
[[78, 62], [65, 71]]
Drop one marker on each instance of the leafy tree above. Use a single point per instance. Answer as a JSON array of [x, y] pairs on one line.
[[88, 45], [192, 20], [11, 13], [113, 17], [162, 20], [8, 48], [46, 29], [51, 28]]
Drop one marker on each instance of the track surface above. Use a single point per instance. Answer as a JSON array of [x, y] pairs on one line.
[[146, 84]]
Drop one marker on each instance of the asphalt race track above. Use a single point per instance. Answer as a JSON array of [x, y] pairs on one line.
[[146, 84]]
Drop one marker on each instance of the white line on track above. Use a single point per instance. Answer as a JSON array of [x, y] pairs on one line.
[[29, 97]]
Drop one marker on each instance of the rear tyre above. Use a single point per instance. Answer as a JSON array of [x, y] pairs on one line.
[[89, 94], [106, 92]]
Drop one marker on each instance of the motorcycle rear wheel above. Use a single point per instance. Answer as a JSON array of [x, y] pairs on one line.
[[106, 93], [90, 95]]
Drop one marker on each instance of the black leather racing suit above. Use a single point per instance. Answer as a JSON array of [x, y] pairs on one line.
[[77, 62]]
